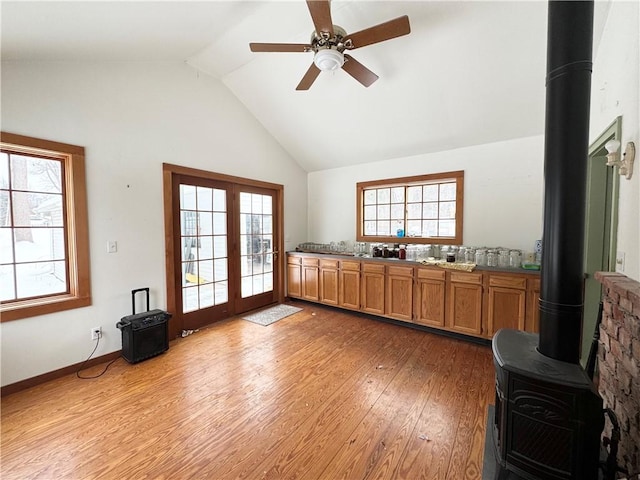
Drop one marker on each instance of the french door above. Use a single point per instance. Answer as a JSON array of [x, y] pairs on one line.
[[223, 239]]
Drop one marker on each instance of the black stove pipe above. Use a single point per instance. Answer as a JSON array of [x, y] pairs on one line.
[[568, 87]]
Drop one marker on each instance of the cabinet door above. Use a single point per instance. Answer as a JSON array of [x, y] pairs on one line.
[[349, 287], [506, 309], [310, 288], [532, 318], [373, 289], [399, 301], [506, 302], [430, 297], [329, 282], [465, 303], [294, 277]]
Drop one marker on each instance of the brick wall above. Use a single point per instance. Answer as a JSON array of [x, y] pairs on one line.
[[619, 361]]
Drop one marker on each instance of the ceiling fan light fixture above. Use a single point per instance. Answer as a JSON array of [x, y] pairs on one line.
[[328, 59]]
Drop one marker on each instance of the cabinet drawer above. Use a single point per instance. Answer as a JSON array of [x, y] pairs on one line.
[[347, 265], [400, 271], [431, 274], [507, 282], [459, 277], [310, 261], [372, 268], [534, 284], [329, 263], [294, 260]]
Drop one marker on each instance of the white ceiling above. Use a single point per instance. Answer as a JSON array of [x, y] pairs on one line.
[[469, 73]]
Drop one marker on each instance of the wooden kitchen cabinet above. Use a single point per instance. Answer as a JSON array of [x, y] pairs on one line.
[[399, 293], [310, 275], [372, 288], [477, 303], [329, 281], [532, 318], [349, 286], [465, 303], [294, 276], [506, 302], [430, 297]]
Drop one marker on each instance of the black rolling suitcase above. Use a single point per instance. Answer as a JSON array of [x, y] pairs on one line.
[[146, 334]]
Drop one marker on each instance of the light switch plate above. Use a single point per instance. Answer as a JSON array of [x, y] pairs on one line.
[[112, 246], [620, 262]]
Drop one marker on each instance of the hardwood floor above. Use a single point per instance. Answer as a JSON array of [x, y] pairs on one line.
[[320, 394]]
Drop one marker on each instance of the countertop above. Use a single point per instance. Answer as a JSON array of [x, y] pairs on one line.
[[344, 256]]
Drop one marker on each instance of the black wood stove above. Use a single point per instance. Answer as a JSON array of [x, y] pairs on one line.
[[548, 414]]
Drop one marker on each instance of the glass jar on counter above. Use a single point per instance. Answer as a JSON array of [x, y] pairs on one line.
[[412, 252], [402, 252], [428, 251], [492, 258], [386, 253], [469, 255], [481, 257], [515, 258], [503, 257]]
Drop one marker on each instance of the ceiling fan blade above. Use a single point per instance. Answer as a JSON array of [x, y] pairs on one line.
[[280, 47], [309, 78], [320, 11], [379, 33], [358, 71]]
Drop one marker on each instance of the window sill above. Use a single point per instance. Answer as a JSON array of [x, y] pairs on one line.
[[41, 306]]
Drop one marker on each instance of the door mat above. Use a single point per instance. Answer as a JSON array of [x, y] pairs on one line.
[[271, 315]]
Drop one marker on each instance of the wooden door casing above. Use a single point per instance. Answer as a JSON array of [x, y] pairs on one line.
[[170, 174]]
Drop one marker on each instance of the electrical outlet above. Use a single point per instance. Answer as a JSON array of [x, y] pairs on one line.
[[96, 333], [112, 246]]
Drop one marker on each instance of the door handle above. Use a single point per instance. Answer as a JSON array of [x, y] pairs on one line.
[[275, 254]]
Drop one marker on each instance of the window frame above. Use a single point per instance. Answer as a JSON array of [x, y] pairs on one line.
[[457, 176], [76, 228]]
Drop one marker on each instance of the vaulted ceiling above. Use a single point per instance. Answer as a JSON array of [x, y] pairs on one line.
[[469, 73]]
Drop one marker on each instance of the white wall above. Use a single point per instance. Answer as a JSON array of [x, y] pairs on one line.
[[131, 118], [616, 91], [503, 189]]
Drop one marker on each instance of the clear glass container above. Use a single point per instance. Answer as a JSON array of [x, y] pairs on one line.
[[515, 258], [492, 258], [428, 251], [503, 258], [481, 257], [469, 255]]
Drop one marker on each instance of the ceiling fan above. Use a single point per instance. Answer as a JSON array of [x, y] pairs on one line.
[[329, 42]]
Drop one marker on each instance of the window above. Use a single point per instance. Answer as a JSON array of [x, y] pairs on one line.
[[44, 249], [422, 209]]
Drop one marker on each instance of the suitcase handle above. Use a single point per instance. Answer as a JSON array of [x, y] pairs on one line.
[[133, 298], [121, 325]]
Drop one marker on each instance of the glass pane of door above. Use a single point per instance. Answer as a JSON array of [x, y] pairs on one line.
[[203, 240], [256, 244]]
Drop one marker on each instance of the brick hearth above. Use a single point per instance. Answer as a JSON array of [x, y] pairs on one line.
[[619, 361]]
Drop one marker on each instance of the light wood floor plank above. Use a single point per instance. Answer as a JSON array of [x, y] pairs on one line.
[[321, 394]]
